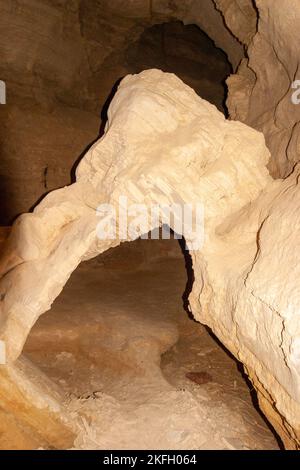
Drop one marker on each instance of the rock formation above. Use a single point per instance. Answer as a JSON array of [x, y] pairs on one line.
[[164, 144], [260, 93]]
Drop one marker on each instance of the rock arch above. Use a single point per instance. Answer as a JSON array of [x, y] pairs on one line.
[[164, 144]]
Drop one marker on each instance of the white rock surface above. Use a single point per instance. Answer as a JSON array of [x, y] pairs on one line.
[[165, 144]]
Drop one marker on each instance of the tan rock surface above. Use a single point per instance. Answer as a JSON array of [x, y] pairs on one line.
[[240, 17], [184, 151], [260, 94]]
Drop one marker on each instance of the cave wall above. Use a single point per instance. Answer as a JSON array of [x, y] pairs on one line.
[[240, 17], [260, 93], [43, 128]]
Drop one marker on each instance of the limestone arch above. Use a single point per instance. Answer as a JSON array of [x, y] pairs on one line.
[[164, 144], [47, 245]]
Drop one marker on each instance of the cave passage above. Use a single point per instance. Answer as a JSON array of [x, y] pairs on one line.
[[134, 367]]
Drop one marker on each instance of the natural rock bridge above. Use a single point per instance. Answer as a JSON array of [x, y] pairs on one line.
[[163, 144]]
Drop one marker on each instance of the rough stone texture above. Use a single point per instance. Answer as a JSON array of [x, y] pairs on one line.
[[123, 350], [250, 288], [240, 17], [260, 93], [246, 274], [60, 61], [185, 151], [31, 410]]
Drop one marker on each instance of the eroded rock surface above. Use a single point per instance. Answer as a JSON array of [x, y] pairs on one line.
[[165, 144], [260, 94], [185, 151]]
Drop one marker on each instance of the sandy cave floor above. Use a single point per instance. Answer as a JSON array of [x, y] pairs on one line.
[[136, 371]]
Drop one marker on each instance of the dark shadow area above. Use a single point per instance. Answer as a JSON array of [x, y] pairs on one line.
[[103, 116], [6, 193], [190, 277], [7, 183], [188, 52], [106, 105]]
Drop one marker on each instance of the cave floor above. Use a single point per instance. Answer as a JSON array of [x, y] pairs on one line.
[[136, 372]]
